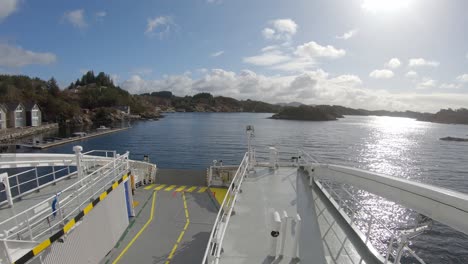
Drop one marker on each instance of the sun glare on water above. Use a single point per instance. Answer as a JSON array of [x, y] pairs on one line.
[[376, 6]]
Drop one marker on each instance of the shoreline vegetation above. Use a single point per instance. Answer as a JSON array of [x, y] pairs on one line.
[[95, 100]]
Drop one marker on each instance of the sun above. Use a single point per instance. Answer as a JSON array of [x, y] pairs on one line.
[[376, 6]]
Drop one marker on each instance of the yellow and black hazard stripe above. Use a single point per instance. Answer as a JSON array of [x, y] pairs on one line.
[[46, 243]]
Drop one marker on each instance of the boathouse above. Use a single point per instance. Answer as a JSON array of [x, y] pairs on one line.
[[33, 114], [16, 115], [3, 116]]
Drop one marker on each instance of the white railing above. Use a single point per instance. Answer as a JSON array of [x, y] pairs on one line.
[[52, 213], [368, 224], [215, 243], [30, 180], [41, 170], [143, 171]]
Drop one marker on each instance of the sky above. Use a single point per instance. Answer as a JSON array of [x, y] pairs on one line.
[[372, 54]]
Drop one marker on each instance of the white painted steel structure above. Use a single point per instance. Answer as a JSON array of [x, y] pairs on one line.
[[73, 180], [446, 206], [214, 249]]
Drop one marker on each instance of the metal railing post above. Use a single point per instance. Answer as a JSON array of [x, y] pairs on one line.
[[53, 172], [6, 182], [18, 185], [389, 249], [371, 220], [37, 179], [401, 246], [79, 169]]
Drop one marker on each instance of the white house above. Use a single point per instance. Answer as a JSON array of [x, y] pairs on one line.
[[16, 115], [33, 114], [3, 117]]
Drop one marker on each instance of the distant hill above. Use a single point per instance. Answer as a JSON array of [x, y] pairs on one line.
[[332, 112], [307, 113], [93, 98], [95, 93], [206, 102]]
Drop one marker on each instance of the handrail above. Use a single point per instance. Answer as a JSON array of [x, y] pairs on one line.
[[230, 201], [32, 220]]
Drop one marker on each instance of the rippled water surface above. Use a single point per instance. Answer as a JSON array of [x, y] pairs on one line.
[[395, 146]]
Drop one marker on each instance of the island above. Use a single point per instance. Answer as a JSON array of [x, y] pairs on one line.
[[307, 113], [454, 139]]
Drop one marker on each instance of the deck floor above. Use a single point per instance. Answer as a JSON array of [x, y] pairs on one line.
[[158, 239], [247, 238]]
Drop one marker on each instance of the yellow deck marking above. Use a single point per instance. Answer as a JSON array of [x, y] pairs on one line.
[[39, 248], [135, 203], [202, 189], [149, 187], [182, 233], [68, 226], [103, 196], [160, 187], [88, 208], [219, 194], [139, 232], [170, 187], [181, 188], [191, 189]]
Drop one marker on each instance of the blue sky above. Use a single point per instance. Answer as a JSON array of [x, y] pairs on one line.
[[376, 54]]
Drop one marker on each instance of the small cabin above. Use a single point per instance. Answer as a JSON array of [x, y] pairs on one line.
[[16, 115], [3, 117], [33, 114]]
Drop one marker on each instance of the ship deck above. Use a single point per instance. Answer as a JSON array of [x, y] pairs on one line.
[[172, 225], [265, 191]]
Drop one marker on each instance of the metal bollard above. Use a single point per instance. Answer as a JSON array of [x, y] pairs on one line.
[[275, 232]]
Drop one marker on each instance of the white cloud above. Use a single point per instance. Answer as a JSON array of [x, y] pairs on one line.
[[463, 78], [314, 50], [101, 14], [298, 59], [280, 29], [411, 74], [348, 80], [7, 7], [217, 54], [159, 26], [115, 78], [426, 83], [11, 56], [348, 35], [310, 87], [295, 64], [449, 86], [76, 18], [268, 58], [393, 63], [417, 62], [214, 1], [381, 74], [268, 33]]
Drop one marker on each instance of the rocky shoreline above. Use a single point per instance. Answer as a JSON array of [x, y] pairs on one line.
[[12, 134]]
